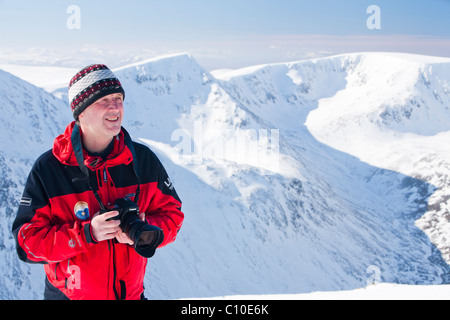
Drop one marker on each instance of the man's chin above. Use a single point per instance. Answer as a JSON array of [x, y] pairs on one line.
[[113, 130]]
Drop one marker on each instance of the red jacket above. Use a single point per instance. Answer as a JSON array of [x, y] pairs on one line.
[[53, 221]]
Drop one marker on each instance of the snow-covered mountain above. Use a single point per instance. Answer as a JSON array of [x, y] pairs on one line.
[[380, 291], [30, 118], [308, 176], [399, 123]]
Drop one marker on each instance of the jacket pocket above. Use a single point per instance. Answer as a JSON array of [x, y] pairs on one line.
[[55, 274]]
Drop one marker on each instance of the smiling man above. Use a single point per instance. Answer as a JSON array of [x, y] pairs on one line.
[[98, 204], [101, 121]]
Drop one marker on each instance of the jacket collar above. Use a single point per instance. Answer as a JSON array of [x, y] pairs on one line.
[[67, 147]]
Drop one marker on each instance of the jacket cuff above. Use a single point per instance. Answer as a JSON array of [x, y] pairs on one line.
[[88, 234]]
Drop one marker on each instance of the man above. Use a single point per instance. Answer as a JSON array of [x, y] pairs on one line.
[[67, 219]]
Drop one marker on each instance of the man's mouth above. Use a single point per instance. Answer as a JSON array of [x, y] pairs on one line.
[[112, 119]]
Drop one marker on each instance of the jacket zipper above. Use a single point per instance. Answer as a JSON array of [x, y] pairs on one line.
[[112, 248], [105, 176], [105, 183], [114, 272]]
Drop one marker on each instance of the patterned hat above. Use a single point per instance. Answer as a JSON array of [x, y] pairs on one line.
[[89, 85]]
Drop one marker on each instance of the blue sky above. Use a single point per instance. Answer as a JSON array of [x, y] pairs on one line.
[[230, 33]]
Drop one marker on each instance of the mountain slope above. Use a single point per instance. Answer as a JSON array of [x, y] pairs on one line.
[[382, 291], [269, 207], [331, 214], [30, 120], [394, 113]]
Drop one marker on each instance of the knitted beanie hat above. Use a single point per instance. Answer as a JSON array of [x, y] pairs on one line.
[[90, 84]]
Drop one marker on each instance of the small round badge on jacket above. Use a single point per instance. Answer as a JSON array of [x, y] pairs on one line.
[[81, 210]]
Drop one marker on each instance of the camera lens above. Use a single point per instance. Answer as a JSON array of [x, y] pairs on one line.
[[146, 237]]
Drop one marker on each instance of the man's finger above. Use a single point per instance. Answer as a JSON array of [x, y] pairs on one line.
[[110, 214]]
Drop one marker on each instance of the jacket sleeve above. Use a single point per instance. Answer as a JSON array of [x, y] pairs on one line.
[[40, 239], [161, 202]]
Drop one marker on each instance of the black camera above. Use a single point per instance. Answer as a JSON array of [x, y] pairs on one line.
[[146, 237]]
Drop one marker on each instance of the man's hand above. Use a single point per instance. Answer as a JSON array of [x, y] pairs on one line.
[[122, 237], [105, 230], [102, 229]]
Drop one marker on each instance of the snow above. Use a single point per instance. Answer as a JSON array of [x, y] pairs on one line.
[[46, 77], [402, 129], [380, 291], [338, 169]]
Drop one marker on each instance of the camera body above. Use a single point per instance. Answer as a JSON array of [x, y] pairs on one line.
[[125, 207], [146, 237]]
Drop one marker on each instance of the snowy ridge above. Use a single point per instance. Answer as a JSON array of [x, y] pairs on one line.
[[317, 215], [30, 120]]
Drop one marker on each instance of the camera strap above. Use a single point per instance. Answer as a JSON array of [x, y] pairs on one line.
[[129, 144], [78, 150]]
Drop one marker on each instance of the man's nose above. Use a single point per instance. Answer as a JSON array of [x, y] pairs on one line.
[[113, 104]]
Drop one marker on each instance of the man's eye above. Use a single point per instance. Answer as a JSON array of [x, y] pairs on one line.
[[100, 102]]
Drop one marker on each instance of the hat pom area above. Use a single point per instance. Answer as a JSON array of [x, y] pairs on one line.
[[90, 84]]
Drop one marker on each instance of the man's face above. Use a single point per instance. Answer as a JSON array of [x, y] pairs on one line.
[[103, 119]]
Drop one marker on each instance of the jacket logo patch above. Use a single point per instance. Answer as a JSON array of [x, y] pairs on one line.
[[72, 243], [168, 184], [25, 201], [81, 210]]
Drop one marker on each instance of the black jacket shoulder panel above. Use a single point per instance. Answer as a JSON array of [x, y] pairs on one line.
[[147, 163], [58, 178], [150, 169]]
